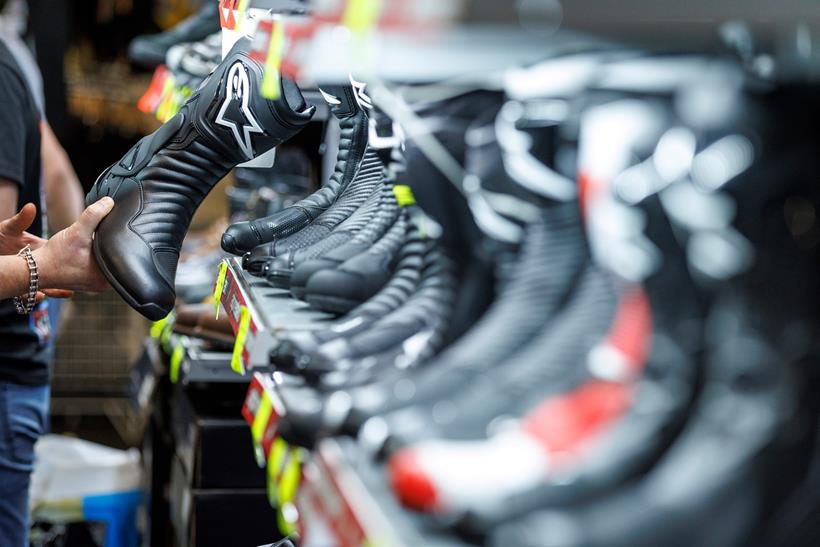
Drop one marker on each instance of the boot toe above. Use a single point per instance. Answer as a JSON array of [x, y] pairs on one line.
[[278, 271], [239, 238]]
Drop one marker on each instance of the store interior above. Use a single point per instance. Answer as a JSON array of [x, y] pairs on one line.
[[439, 273]]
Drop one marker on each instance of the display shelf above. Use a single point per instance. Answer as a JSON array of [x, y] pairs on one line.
[[358, 493], [202, 365], [342, 496], [143, 383], [259, 314], [143, 376], [334, 492]]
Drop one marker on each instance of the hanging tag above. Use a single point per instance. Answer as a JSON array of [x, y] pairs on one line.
[[165, 337], [260, 43], [361, 16], [227, 14], [278, 453], [261, 419], [181, 96], [404, 195], [241, 337], [176, 361], [220, 284], [273, 61], [165, 97], [150, 100], [291, 476], [286, 492], [286, 527], [158, 326], [241, 11]]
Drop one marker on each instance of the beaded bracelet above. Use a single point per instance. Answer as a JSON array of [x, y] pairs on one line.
[[25, 303]]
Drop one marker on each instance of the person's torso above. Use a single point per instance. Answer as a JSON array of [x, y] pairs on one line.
[[24, 353]]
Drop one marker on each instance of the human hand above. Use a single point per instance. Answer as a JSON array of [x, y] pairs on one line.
[[13, 234], [66, 260]]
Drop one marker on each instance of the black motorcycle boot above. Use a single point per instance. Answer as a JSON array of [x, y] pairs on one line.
[[347, 210], [303, 268], [161, 181], [402, 339], [760, 285], [288, 355], [343, 288], [243, 237], [420, 318], [525, 305], [360, 226]]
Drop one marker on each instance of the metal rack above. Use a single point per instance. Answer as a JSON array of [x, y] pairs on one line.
[[338, 497], [259, 313]]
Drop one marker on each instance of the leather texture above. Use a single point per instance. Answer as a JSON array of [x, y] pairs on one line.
[[357, 279], [401, 338], [242, 237], [353, 236], [397, 290], [422, 315], [365, 184], [161, 181]]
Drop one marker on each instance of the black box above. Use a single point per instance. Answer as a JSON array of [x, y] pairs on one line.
[[213, 442], [219, 517]]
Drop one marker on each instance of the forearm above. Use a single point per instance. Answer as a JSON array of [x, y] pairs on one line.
[[64, 193], [14, 277], [64, 199]]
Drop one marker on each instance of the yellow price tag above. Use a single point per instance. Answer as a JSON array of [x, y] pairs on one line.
[[165, 337], [278, 451], [404, 195], [241, 337], [286, 491], [169, 100], [157, 327], [273, 61], [260, 421], [176, 361], [286, 527], [220, 284], [240, 13], [181, 96], [362, 15], [291, 476]]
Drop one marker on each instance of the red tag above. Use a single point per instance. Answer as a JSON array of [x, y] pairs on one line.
[[253, 398], [150, 100], [269, 436], [227, 14]]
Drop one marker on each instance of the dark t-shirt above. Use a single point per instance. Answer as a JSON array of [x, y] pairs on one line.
[[24, 352]]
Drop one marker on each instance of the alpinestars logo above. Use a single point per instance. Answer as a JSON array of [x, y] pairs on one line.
[[332, 100], [235, 113], [365, 102]]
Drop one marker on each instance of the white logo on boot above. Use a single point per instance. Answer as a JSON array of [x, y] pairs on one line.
[[364, 101], [238, 89]]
